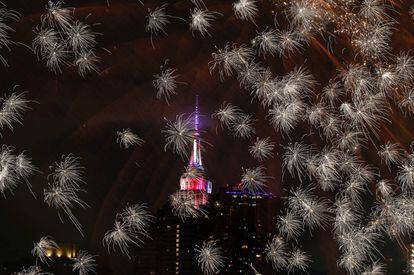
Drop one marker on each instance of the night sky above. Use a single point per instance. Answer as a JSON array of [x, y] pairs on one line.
[[79, 115]]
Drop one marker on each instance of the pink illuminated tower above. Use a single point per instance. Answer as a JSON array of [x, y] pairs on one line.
[[194, 180]]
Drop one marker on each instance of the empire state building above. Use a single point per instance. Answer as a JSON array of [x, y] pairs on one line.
[[194, 179]]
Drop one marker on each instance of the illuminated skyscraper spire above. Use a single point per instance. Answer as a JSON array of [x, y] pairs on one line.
[[196, 154], [195, 178]]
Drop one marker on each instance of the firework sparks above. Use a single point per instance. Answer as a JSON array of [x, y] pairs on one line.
[[126, 138], [290, 225], [68, 171], [120, 236], [57, 15], [201, 20], [166, 83], [209, 257], [298, 260], [179, 134], [254, 179], [184, 205], [276, 253], [84, 263], [227, 114], [262, 149], [245, 9], [243, 126], [129, 229], [41, 248]]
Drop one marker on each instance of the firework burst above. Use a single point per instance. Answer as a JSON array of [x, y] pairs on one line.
[[262, 149], [166, 83], [254, 179], [209, 257], [41, 248], [126, 138], [179, 134], [84, 263], [184, 205]]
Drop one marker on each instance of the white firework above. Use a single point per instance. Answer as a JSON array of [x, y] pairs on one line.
[[375, 269], [262, 149], [391, 154], [405, 176], [276, 253], [284, 118], [249, 75], [209, 257], [289, 41], [298, 260], [296, 158], [56, 56], [13, 108], [157, 20], [138, 218], [404, 67], [374, 41], [312, 210], [32, 270], [254, 179], [84, 263], [266, 42], [166, 83], [8, 174], [332, 92], [6, 18], [87, 62], [406, 104], [64, 198], [45, 39], [227, 60], [290, 225], [41, 248], [411, 12], [245, 9], [227, 114], [25, 168], [80, 37], [201, 20], [122, 237], [304, 15], [179, 134], [347, 215], [264, 87], [184, 205], [243, 126], [385, 188], [57, 15], [126, 138], [374, 10], [68, 171]]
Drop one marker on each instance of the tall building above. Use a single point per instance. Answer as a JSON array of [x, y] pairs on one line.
[[243, 223], [194, 179]]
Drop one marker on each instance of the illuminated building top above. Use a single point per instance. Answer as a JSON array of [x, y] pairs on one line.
[[194, 179]]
